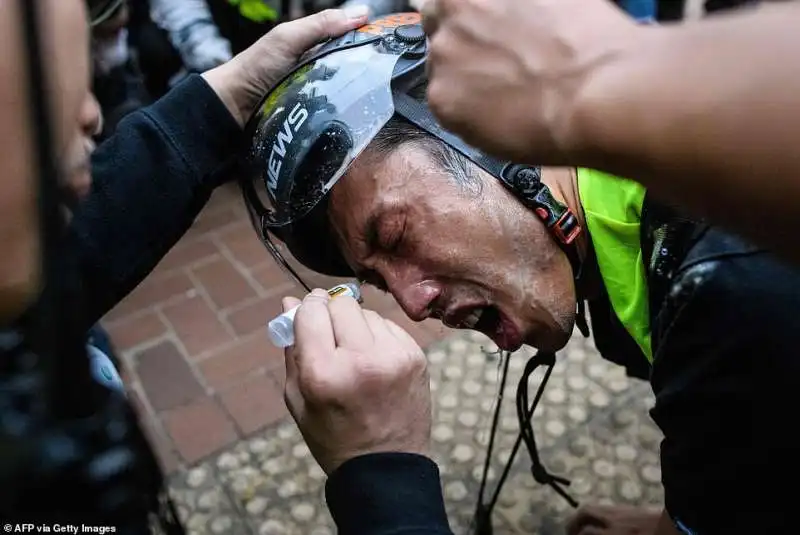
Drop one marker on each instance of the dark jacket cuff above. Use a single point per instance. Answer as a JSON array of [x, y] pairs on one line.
[[387, 493]]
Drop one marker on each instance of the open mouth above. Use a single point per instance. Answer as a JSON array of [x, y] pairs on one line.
[[490, 321]]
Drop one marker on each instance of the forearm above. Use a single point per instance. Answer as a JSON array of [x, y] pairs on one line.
[[706, 114], [150, 180]]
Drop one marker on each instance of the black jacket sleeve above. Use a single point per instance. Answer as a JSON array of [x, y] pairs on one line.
[[726, 375], [387, 493], [150, 180]]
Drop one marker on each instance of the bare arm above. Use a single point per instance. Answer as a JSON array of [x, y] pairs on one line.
[[706, 114]]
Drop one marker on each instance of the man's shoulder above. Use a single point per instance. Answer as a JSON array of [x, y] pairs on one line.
[[727, 325], [723, 288], [725, 374]]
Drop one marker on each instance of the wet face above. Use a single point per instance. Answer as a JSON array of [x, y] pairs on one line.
[[473, 260]]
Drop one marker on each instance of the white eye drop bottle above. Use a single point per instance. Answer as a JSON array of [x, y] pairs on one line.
[[281, 329]]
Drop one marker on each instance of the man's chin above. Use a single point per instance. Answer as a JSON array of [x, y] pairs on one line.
[[551, 341], [552, 344], [507, 344]]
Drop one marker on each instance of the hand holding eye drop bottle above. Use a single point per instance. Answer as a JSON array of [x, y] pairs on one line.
[[281, 329]]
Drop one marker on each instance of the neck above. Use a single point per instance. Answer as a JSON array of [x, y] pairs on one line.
[[563, 184]]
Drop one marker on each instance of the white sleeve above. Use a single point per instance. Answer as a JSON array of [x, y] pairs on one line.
[[192, 32]]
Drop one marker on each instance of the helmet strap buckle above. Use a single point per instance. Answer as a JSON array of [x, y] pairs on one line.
[[526, 183]]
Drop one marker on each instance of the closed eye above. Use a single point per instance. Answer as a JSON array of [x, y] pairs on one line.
[[392, 238], [385, 232]]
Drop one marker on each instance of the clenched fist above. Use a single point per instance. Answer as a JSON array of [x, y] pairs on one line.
[[508, 76], [355, 383]]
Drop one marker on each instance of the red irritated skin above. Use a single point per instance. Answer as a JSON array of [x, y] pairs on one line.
[[473, 257]]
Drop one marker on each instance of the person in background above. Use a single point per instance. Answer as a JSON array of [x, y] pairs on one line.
[[177, 38], [193, 33], [117, 80], [243, 22], [181, 37]]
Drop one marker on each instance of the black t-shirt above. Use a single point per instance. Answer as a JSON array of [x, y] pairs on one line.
[[726, 376]]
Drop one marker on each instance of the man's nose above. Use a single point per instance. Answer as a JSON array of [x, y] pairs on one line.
[[91, 116], [416, 297]]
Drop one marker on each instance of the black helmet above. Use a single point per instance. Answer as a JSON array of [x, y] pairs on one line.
[[311, 127]]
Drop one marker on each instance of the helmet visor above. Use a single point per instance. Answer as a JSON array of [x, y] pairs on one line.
[[312, 126]]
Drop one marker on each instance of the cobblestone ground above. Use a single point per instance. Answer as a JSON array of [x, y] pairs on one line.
[[591, 427]]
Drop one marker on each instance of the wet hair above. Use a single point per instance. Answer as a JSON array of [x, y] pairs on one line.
[[398, 132]]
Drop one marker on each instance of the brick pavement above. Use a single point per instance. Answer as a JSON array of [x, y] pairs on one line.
[[192, 337]]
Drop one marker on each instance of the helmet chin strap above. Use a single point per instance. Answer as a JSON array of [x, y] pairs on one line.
[[524, 181]]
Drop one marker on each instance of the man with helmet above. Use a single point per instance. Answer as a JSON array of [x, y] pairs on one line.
[[350, 175]]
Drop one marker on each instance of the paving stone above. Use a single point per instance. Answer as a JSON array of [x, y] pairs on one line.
[[188, 253], [155, 290], [254, 316], [199, 429], [166, 377], [226, 286], [162, 446], [131, 332], [243, 359], [197, 476], [608, 449], [197, 325], [254, 404], [240, 239]]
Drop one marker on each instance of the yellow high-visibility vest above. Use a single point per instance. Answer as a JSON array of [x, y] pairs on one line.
[[613, 210], [255, 10]]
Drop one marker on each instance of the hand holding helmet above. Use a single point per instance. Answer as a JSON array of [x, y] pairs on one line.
[[241, 82], [355, 383], [312, 126]]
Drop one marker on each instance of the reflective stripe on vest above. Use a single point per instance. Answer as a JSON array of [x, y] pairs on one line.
[[255, 10], [613, 210]]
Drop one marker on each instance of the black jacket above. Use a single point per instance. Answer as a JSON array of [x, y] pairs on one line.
[[725, 373], [151, 179]]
